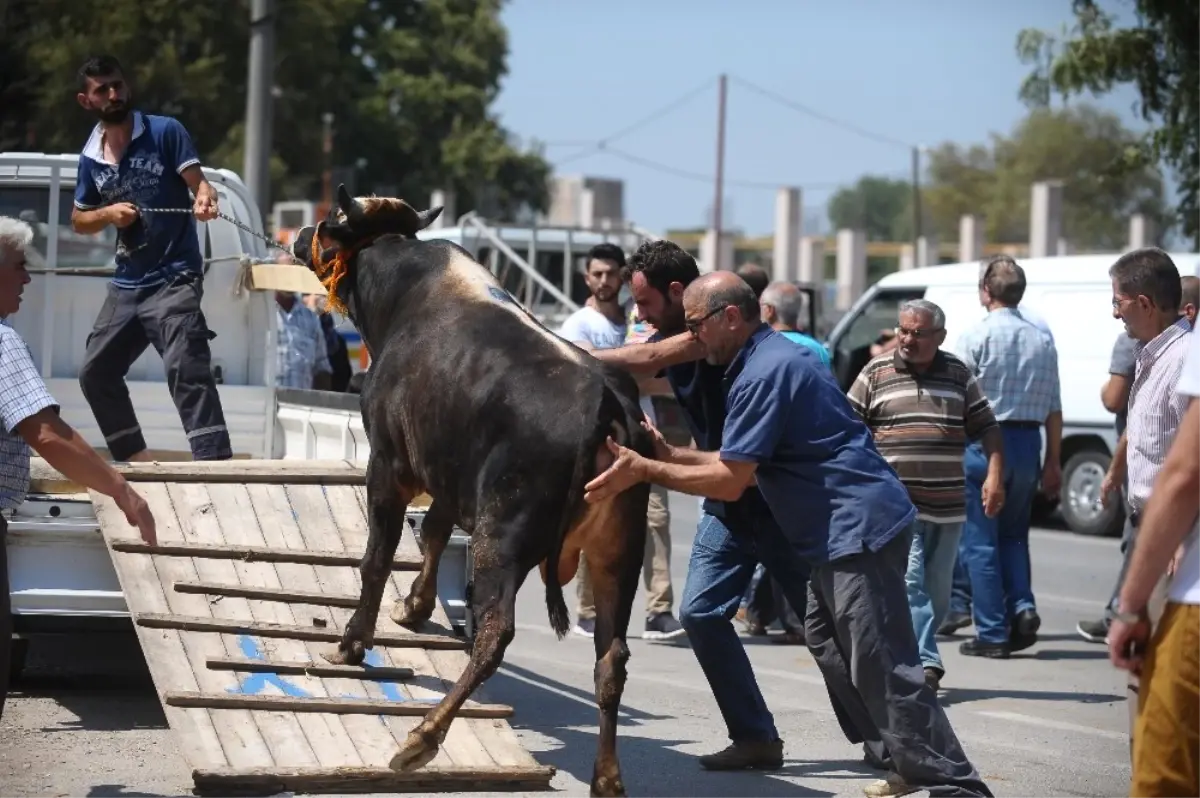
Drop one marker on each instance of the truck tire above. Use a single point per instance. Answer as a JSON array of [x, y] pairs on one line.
[[1080, 500], [17, 656]]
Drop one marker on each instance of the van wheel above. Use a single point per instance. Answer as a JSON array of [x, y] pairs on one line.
[[1080, 501]]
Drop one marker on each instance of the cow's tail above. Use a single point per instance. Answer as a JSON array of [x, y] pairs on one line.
[[609, 411]]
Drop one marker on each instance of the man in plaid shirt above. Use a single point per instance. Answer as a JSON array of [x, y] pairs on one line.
[[29, 418]]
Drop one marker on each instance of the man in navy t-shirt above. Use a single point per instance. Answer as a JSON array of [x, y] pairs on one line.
[[789, 428], [133, 165], [733, 536]]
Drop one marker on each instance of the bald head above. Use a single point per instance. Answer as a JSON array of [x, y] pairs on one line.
[[721, 311]]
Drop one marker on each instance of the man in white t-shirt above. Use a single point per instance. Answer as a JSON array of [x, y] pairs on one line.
[[601, 324], [1166, 741]]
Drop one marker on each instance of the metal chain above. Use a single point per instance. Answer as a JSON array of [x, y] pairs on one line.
[[269, 242]]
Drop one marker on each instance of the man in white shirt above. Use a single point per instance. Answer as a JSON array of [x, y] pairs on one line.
[[601, 324]]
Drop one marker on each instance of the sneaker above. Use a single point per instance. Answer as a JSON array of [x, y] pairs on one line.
[[953, 622], [933, 679], [584, 627], [886, 788], [978, 648], [746, 756], [1093, 631], [663, 626]]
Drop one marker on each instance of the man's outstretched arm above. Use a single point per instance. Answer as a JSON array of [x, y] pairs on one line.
[[651, 358]]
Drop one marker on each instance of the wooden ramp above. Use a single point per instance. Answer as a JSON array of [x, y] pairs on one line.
[[253, 578]]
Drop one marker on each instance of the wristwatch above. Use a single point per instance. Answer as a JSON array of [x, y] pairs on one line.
[[1129, 617]]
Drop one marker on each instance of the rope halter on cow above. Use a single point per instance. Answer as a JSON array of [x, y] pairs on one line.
[[331, 272]]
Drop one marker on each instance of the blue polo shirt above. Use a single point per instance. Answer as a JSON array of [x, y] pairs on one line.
[[699, 389], [831, 491], [158, 245]]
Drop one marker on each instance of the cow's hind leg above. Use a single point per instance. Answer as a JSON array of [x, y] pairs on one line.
[[417, 606], [498, 576], [614, 555], [385, 511]]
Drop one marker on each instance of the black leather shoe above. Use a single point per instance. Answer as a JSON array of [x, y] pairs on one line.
[[978, 648], [1027, 623], [953, 622]]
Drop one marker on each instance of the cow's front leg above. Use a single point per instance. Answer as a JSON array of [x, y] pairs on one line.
[[385, 516], [417, 606], [498, 576]]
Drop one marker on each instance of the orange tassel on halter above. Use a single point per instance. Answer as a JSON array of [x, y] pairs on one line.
[[330, 272]]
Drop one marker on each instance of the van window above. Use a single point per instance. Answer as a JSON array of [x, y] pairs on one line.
[[852, 349], [31, 203]]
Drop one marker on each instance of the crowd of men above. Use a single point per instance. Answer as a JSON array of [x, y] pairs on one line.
[[879, 516]]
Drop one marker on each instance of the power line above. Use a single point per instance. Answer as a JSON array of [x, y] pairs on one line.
[[601, 143], [685, 174], [815, 114]]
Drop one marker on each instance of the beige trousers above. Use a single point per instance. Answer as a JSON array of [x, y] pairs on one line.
[[656, 565]]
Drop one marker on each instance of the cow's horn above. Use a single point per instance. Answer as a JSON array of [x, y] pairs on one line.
[[426, 218], [348, 204]]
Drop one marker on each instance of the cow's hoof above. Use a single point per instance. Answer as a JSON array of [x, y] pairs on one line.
[[406, 613], [418, 751], [608, 786], [354, 655]]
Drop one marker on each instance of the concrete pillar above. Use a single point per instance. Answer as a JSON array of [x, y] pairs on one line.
[[927, 251], [907, 259], [788, 222], [448, 217], [851, 266], [710, 259], [812, 261], [587, 209], [1141, 232], [970, 238], [1045, 218]]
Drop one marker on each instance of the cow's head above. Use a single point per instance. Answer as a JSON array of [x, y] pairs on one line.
[[329, 248]]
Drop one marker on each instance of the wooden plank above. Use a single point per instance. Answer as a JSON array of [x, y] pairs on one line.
[[314, 597], [262, 782], [231, 626], [248, 665], [182, 667], [283, 732], [239, 524], [333, 706], [227, 551], [46, 479]]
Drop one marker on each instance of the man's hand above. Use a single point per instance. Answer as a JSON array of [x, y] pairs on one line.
[[1173, 566], [1051, 477], [137, 513], [1109, 487], [1127, 643], [122, 214], [205, 206], [625, 472], [662, 449], [993, 495]]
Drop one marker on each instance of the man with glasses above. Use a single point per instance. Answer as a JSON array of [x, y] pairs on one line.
[[1016, 366], [790, 430], [923, 406]]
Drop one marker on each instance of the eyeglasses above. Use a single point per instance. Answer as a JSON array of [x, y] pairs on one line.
[[693, 326], [918, 334]]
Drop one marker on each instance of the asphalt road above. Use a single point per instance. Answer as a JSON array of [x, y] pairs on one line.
[[1050, 721]]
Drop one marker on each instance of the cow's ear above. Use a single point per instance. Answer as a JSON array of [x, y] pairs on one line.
[[339, 232], [426, 218], [302, 246]]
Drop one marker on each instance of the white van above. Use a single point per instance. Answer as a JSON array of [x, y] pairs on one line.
[[1073, 294]]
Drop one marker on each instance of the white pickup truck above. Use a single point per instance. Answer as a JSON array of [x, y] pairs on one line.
[[61, 577]]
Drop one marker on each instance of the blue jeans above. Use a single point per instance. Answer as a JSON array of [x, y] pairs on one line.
[[996, 550], [724, 555], [931, 559]]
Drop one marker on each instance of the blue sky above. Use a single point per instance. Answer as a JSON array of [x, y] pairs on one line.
[[919, 71]]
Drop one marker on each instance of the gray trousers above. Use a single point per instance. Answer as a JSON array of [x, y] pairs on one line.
[[860, 632]]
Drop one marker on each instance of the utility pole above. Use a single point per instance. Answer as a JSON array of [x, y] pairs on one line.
[[327, 172], [720, 187], [916, 199], [256, 166]]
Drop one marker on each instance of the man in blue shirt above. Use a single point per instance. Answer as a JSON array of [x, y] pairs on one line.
[[133, 165], [733, 536], [781, 304], [789, 429]]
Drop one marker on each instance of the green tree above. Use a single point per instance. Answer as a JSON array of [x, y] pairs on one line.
[[880, 206], [1160, 56], [410, 84], [1080, 145]]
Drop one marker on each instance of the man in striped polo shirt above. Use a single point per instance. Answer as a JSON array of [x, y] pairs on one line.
[[923, 406]]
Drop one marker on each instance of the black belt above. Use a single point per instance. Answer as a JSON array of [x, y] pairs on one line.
[[1135, 518], [1022, 424]]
